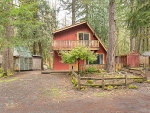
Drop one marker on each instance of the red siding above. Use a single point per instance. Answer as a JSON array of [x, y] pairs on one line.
[[71, 34], [102, 51], [133, 60], [58, 65]]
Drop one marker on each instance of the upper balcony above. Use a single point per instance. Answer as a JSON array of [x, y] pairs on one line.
[[69, 44]]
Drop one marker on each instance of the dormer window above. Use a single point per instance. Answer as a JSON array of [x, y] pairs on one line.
[[83, 36]]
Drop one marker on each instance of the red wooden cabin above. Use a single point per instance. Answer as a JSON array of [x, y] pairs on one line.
[[131, 59], [72, 36]]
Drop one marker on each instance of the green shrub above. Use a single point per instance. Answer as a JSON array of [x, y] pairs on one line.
[[91, 70], [74, 82], [132, 87], [109, 88]]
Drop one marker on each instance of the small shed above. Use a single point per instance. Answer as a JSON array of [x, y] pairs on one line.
[[36, 62], [145, 58], [22, 59], [131, 59]]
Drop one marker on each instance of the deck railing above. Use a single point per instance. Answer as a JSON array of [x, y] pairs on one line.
[[69, 44]]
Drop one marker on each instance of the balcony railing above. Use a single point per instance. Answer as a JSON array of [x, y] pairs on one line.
[[69, 44]]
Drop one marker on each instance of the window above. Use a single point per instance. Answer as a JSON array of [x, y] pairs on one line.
[[100, 60], [83, 36]]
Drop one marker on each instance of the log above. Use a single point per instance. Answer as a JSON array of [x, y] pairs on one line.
[[108, 78]]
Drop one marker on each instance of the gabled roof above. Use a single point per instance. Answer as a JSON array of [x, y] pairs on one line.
[[84, 22], [21, 51], [147, 53]]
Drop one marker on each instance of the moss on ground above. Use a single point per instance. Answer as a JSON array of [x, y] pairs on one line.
[[132, 87]]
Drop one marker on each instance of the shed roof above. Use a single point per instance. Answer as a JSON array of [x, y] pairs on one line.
[[22, 52], [84, 22], [147, 53]]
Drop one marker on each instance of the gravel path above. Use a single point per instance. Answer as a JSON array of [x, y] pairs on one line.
[[32, 92]]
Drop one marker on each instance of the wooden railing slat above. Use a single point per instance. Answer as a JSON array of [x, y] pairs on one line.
[[73, 43]]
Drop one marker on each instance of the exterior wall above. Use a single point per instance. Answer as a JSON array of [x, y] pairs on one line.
[[22, 63], [58, 65], [133, 59], [102, 51], [36, 63], [144, 60], [71, 34]]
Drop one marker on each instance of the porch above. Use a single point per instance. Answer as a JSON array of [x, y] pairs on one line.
[[69, 44]]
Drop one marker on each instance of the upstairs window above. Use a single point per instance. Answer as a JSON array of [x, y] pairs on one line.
[[83, 36]]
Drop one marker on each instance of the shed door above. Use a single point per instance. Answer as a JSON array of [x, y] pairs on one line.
[[133, 60]]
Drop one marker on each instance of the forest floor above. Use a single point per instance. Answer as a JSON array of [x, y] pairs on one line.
[[33, 92]]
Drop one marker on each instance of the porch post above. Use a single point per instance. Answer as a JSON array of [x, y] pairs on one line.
[[78, 66]]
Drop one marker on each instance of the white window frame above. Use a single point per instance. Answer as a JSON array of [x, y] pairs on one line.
[[83, 35]]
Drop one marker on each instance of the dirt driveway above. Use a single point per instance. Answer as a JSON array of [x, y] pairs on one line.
[[32, 92]]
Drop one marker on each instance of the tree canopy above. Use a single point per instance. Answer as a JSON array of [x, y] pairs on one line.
[[78, 53]]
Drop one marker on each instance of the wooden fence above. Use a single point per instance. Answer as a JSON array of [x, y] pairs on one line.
[[135, 71], [104, 79]]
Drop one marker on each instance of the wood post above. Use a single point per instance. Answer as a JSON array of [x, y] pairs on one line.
[[79, 85], [126, 81], [103, 84]]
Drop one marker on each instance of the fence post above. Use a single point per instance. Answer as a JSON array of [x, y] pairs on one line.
[[103, 84], [79, 86], [126, 81]]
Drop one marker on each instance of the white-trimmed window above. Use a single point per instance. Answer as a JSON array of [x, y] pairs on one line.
[[100, 60], [83, 36]]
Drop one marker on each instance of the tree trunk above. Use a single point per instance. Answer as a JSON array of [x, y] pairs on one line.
[[73, 12], [7, 60], [34, 48], [40, 51], [139, 42], [132, 40], [147, 39], [110, 65], [87, 10]]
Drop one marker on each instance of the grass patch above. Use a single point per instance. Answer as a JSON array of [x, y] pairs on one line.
[[101, 94], [9, 80], [52, 92]]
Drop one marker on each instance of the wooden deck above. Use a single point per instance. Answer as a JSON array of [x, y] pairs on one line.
[[68, 44]]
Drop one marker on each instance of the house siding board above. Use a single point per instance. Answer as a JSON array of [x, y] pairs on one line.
[[133, 59], [71, 34], [58, 64], [102, 51]]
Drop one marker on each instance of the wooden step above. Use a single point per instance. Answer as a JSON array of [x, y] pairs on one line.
[[54, 72]]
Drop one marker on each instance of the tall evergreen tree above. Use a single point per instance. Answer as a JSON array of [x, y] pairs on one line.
[[6, 35], [110, 64]]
